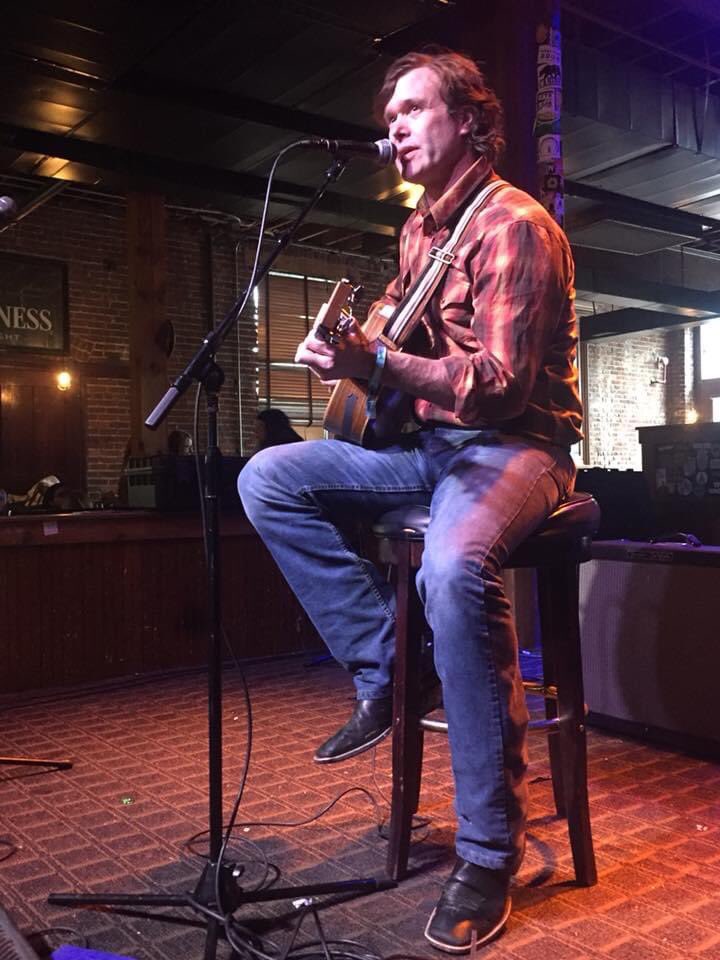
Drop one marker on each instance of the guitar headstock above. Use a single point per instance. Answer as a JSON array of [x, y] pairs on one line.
[[338, 311]]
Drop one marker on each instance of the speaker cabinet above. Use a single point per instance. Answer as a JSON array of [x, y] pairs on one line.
[[650, 619]]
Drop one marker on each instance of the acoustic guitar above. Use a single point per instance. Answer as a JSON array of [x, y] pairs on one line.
[[346, 413]]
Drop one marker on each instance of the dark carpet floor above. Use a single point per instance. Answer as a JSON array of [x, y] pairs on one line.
[[120, 819]]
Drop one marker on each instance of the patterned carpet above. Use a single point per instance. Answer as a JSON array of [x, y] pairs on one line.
[[120, 819]]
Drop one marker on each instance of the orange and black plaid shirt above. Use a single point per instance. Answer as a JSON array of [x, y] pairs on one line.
[[503, 320]]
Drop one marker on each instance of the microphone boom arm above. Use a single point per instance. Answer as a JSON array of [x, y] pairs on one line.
[[203, 362]]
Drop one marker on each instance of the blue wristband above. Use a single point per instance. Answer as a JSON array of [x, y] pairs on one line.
[[373, 387]]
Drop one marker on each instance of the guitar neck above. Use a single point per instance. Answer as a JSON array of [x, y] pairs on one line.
[[339, 298]]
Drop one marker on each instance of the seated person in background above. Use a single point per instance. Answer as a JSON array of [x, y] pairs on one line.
[[63, 499], [273, 427], [180, 442]]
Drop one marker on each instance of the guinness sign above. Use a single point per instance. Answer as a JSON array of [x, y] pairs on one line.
[[33, 304]]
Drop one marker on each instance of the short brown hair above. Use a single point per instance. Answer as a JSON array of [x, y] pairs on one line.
[[462, 87]]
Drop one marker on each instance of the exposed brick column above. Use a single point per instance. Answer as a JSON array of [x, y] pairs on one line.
[[148, 333]]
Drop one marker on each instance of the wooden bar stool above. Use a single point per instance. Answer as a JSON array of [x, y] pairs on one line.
[[555, 550]]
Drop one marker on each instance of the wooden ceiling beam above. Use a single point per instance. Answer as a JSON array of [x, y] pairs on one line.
[[155, 89], [149, 168]]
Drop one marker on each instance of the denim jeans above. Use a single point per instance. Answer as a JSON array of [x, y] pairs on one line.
[[487, 492]]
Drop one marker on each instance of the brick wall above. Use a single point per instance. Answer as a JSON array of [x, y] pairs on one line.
[[622, 396], [206, 269], [90, 239], [680, 349]]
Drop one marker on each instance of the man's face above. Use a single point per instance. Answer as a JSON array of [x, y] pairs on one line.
[[431, 142]]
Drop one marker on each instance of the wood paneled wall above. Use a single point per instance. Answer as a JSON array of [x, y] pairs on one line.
[[90, 596], [42, 430]]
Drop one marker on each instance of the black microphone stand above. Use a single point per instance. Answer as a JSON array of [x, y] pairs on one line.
[[217, 892]]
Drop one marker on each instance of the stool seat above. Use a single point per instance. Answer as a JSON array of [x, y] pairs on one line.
[[577, 516]]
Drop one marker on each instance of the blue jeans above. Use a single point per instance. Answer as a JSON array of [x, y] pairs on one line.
[[487, 492]]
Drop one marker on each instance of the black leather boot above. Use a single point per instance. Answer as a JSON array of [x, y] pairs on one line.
[[370, 722], [474, 903]]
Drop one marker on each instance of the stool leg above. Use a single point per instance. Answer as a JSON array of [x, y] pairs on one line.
[[549, 652], [407, 735], [561, 583]]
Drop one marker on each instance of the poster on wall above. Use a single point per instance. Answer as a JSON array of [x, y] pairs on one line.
[[687, 469], [33, 304]]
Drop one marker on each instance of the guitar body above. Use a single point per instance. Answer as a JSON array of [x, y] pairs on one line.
[[346, 414]]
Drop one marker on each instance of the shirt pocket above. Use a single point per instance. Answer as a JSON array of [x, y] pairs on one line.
[[456, 299]]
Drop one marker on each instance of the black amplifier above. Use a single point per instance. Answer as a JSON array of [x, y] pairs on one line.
[[169, 482]]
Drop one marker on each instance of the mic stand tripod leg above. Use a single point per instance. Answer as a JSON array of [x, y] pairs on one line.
[[32, 762], [203, 898]]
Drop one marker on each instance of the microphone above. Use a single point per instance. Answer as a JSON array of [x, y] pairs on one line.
[[382, 151], [8, 208]]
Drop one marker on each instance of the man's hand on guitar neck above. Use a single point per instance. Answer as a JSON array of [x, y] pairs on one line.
[[352, 357]]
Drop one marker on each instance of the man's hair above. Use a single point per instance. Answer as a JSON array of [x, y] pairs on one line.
[[462, 87]]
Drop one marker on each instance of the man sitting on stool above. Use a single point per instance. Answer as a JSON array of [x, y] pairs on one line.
[[496, 398]]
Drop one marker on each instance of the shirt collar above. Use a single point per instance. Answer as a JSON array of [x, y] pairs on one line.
[[437, 215]]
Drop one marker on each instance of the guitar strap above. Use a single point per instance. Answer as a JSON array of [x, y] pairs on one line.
[[405, 318]]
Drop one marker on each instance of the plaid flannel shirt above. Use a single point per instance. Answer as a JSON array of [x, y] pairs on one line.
[[502, 322]]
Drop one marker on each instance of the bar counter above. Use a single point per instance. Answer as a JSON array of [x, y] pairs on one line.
[[91, 595]]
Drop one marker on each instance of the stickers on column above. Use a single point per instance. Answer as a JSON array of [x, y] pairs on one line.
[[548, 108], [549, 148], [549, 76]]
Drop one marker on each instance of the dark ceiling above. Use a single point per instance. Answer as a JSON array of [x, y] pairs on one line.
[[196, 97]]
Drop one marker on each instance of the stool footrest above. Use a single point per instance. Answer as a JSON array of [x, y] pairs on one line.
[[540, 690], [550, 725], [436, 726]]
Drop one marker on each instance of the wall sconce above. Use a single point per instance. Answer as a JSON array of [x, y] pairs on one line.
[[661, 365], [63, 380]]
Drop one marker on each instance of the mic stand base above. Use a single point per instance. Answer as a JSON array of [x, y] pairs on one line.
[[203, 901]]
